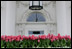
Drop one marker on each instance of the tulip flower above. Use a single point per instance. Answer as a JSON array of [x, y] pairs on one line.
[[45, 38], [38, 40], [2, 37], [6, 40], [52, 40]]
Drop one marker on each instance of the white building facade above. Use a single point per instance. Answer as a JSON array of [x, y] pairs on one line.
[[15, 15]]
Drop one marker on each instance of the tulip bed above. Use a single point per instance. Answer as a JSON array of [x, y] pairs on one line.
[[45, 41]]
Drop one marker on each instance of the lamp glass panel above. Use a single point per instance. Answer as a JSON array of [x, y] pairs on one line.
[[36, 3], [40, 3], [30, 3]]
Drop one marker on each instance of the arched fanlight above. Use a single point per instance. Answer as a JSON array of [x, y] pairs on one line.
[[36, 17], [35, 5]]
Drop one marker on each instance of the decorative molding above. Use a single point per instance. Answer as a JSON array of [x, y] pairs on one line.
[[24, 3], [68, 4], [27, 12], [24, 14], [3, 4], [54, 3], [48, 14], [46, 3], [36, 23], [17, 3]]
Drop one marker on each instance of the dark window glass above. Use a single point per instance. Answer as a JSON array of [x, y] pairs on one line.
[[32, 17], [40, 17], [36, 17], [36, 32]]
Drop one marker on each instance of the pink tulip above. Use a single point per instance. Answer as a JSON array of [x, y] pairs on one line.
[[38, 40], [19, 35], [69, 37], [39, 37], [66, 37], [49, 34], [63, 37], [21, 38], [10, 40], [60, 37], [5, 36], [43, 36], [26, 37], [58, 34], [32, 35], [36, 37], [50, 37], [52, 40], [17, 39], [2, 37], [53, 37], [13, 38], [47, 37], [56, 38], [6, 40], [33, 38], [29, 36]]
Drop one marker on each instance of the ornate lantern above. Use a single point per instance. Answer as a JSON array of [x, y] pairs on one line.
[[35, 5]]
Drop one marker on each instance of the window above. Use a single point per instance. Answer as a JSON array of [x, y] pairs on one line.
[[36, 17], [36, 32]]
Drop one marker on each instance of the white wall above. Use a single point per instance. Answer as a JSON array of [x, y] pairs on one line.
[[49, 7]]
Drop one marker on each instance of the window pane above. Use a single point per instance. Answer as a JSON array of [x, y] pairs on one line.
[[36, 3], [40, 17], [32, 17], [40, 3], [41, 32], [30, 32], [30, 3], [36, 32]]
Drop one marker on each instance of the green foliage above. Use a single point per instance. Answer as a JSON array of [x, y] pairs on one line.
[[34, 43], [68, 43], [55, 43], [2, 43]]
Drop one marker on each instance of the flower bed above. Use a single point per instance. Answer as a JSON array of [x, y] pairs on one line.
[[49, 40]]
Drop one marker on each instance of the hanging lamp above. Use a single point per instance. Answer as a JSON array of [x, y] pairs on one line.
[[35, 5]]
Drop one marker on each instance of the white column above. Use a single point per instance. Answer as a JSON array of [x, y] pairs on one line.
[[10, 17], [3, 17], [61, 17], [68, 15]]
